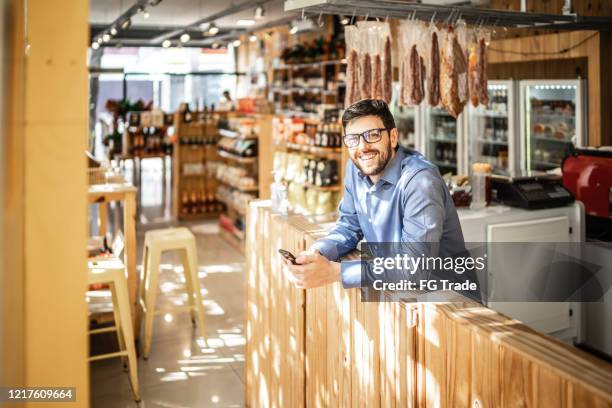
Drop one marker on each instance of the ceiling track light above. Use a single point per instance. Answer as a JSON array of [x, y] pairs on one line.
[[106, 38], [154, 2], [166, 43], [185, 37], [126, 23], [213, 29], [259, 13], [95, 45], [293, 30], [236, 43], [253, 38], [113, 30], [146, 15]]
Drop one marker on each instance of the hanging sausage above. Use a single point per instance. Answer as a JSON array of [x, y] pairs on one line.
[[387, 72]]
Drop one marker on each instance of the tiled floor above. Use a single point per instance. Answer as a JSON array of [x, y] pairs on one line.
[[182, 371]]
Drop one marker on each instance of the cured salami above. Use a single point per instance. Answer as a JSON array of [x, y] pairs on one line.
[[387, 73], [482, 72], [473, 77], [365, 80], [351, 78], [453, 76], [377, 82], [433, 79], [415, 77]]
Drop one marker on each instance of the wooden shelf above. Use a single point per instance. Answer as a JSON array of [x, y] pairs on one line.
[[232, 134], [243, 189], [316, 150], [322, 188], [238, 209], [310, 64], [236, 158], [198, 216]]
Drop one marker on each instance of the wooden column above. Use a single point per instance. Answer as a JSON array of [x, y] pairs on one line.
[[45, 233]]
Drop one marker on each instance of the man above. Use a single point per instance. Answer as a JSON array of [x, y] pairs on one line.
[[391, 194]]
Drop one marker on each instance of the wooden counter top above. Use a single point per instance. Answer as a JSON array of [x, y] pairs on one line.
[[324, 347]]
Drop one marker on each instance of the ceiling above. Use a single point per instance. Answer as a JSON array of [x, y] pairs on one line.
[[172, 14]]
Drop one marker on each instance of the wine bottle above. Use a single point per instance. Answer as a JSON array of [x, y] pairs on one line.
[[185, 208]]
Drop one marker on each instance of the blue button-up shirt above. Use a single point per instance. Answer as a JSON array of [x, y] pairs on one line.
[[409, 204]]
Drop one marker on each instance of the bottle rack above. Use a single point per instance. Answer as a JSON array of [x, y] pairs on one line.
[[194, 154], [307, 89], [146, 134], [309, 156], [244, 172]]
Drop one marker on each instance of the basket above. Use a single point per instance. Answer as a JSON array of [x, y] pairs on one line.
[[96, 175]]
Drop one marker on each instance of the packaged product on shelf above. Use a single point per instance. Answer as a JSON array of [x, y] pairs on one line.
[[312, 200], [326, 203]]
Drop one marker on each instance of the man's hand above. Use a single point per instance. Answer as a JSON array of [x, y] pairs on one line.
[[314, 270]]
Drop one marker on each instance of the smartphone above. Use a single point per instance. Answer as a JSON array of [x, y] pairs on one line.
[[288, 256]]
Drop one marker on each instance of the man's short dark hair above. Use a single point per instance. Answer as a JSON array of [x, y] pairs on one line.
[[369, 107]]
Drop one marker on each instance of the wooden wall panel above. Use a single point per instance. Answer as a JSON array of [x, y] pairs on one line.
[[327, 348], [541, 50]]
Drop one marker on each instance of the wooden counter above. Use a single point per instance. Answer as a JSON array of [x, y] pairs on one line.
[[325, 348]]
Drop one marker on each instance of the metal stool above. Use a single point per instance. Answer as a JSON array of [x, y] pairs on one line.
[[112, 272], [156, 242]]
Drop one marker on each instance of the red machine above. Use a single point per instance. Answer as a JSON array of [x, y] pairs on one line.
[[587, 174]]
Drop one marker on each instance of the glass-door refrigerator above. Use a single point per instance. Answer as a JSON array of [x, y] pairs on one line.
[[492, 130], [441, 141], [553, 119], [406, 120]]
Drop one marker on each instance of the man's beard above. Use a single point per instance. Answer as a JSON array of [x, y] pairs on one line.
[[382, 158]]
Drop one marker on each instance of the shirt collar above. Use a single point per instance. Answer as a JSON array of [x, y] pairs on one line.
[[393, 171]]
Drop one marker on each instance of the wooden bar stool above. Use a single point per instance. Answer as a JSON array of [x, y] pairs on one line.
[[156, 242], [111, 272]]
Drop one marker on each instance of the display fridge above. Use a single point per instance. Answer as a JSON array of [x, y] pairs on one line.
[[441, 140], [492, 129], [553, 119], [406, 120]]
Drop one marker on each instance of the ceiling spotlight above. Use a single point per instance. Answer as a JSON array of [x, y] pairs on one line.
[[259, 13], [113, 30], [245, 23], [213, 29], [166, 43], [215, 45], [141, 9], [236, 43], [146, 15], [293, 30], [95, 45], [126, 24], [253, 38], [106, 38], [99, 40], [154, 2], [345, 21], [185, 37]]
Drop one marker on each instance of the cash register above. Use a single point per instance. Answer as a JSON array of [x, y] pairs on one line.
[[530, 190]]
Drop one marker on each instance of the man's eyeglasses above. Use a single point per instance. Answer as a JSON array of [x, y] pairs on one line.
[[370, 136]]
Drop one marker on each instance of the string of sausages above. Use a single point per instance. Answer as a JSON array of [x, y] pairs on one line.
[[444, 67]]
